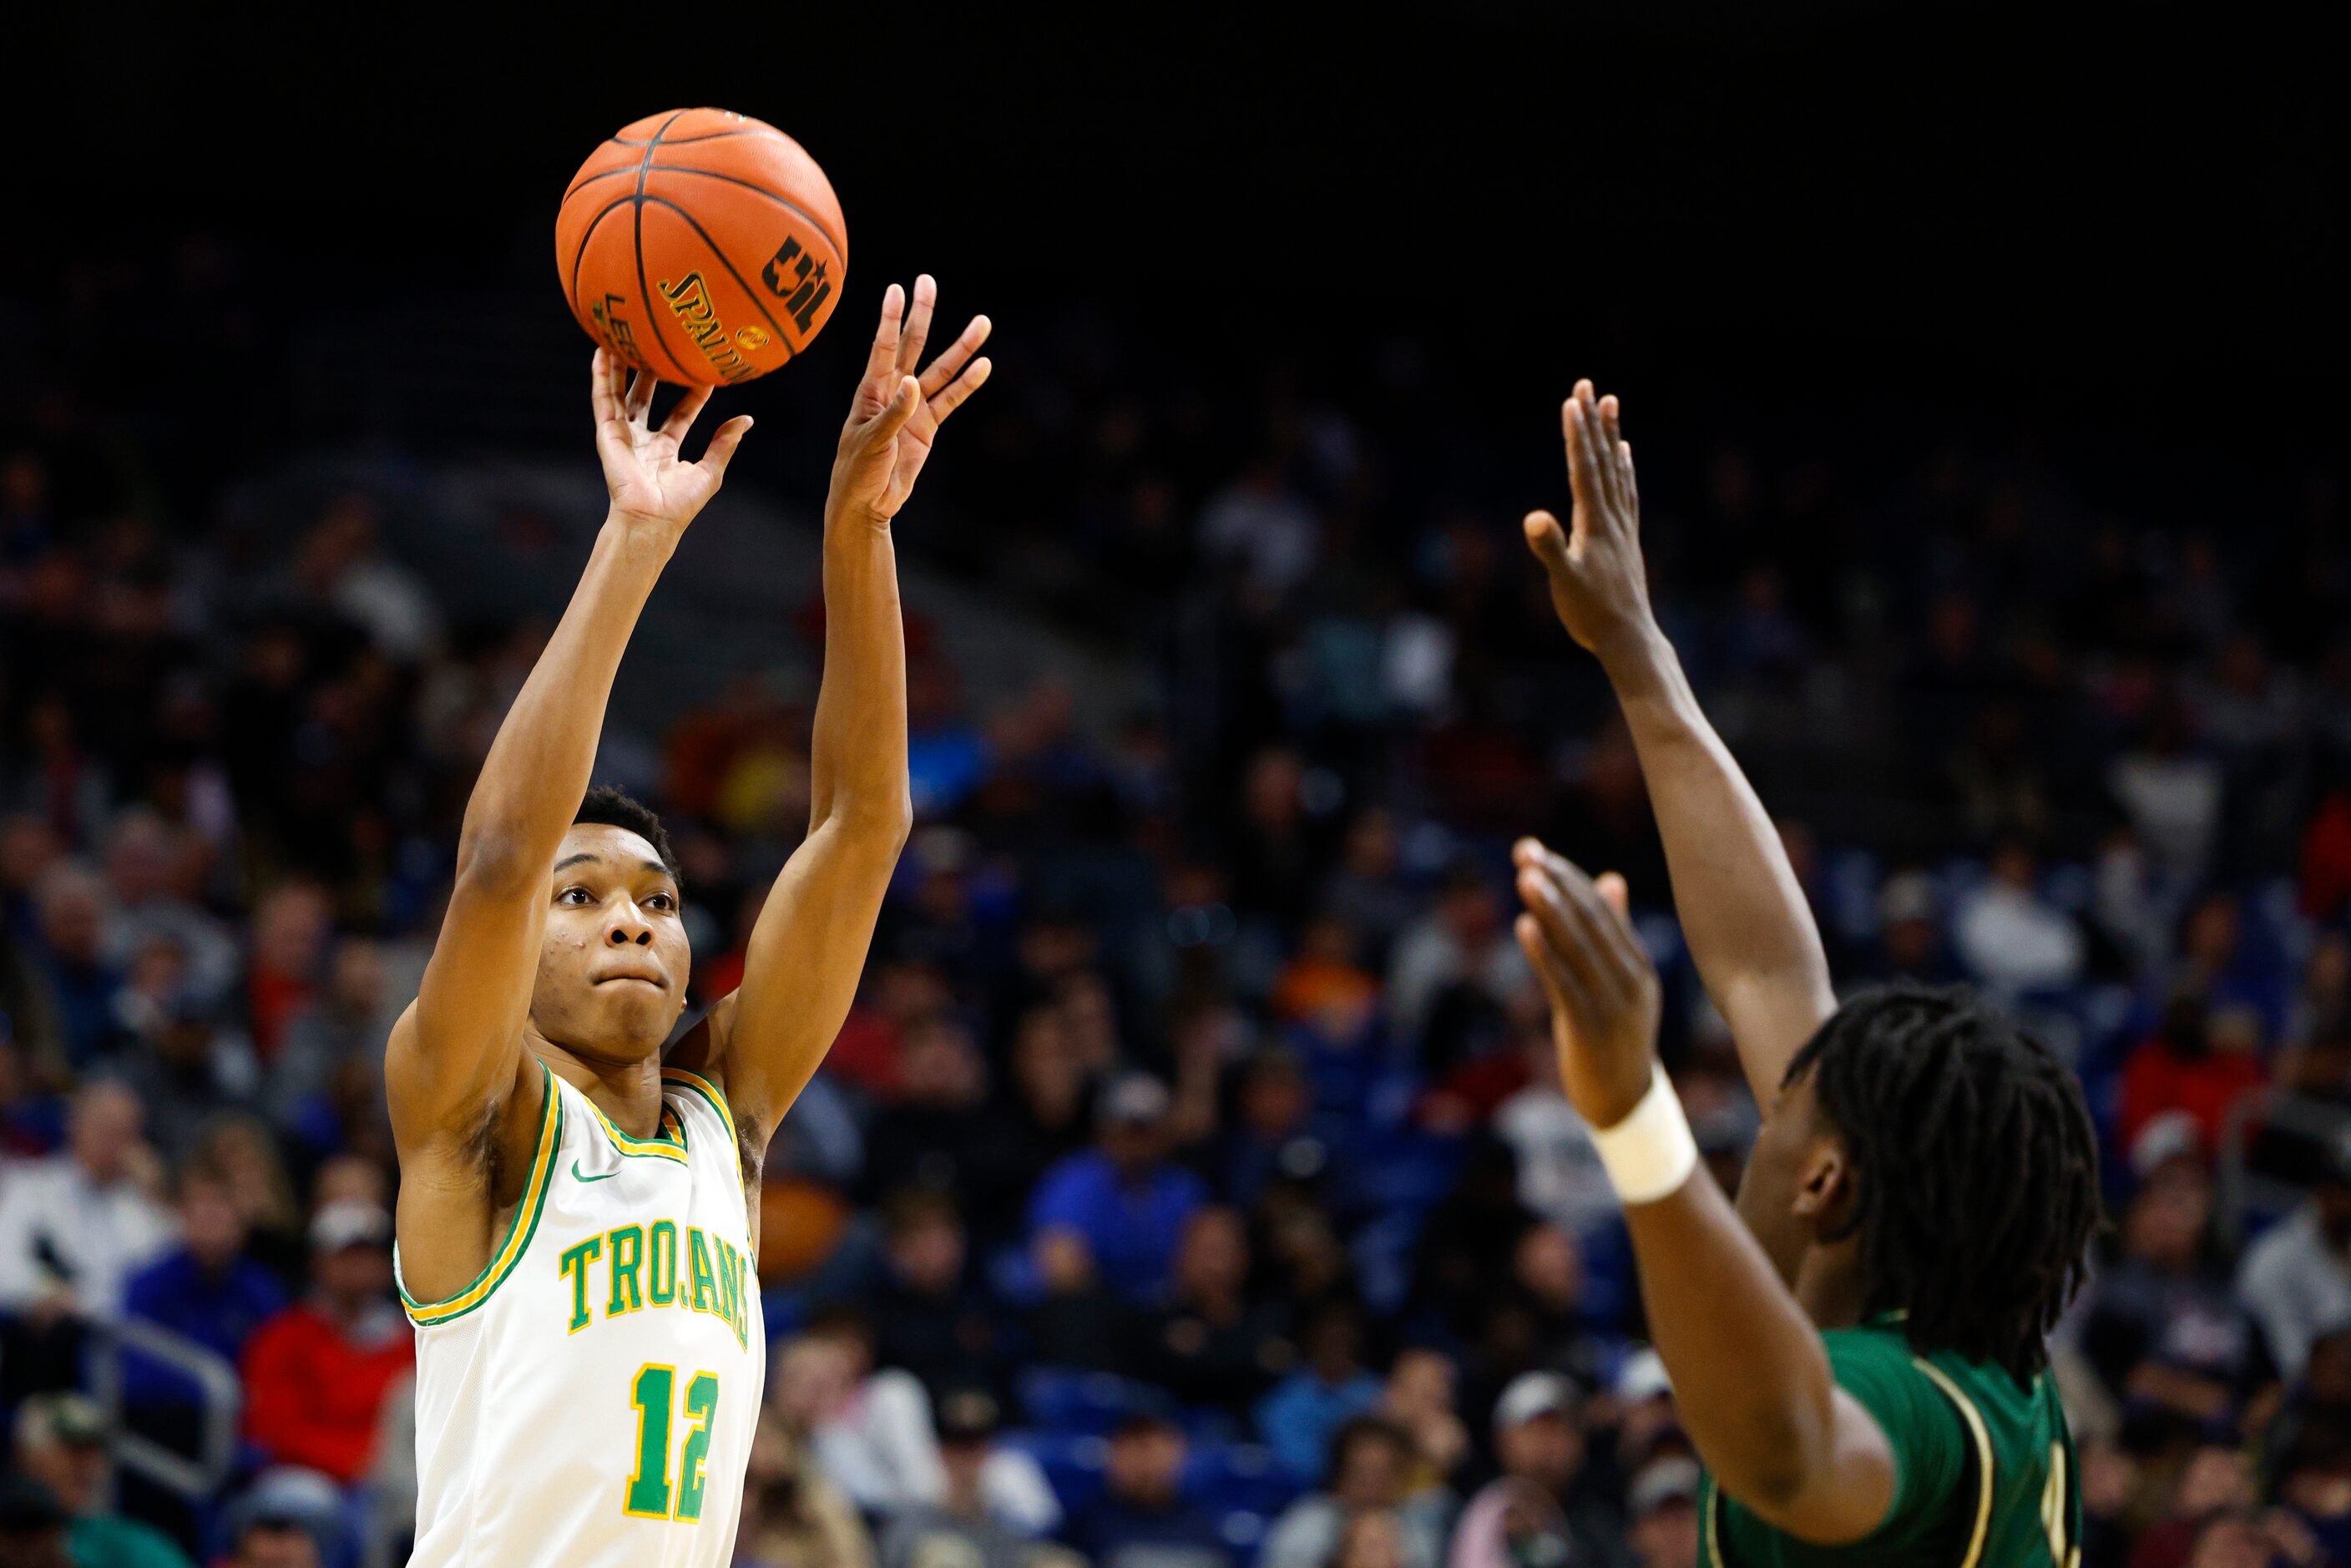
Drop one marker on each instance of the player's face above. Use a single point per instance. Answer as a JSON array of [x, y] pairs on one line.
[[613, 962]]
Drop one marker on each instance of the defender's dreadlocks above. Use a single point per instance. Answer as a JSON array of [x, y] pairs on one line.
[[1975, 1165], [613, 807]]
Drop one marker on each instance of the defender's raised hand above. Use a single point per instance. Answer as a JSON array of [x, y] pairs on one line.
[[1605, 997], [650, 487], [1598, 583], [897, 413]]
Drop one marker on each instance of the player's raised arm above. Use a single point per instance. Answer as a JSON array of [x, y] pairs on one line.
[[455, 1055], [1751, 1378], [1742, 911], [808, 947]]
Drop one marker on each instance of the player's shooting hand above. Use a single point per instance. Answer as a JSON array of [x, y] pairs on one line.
[[897, 413], [1604, 998], [1598, 583], [652, 490]]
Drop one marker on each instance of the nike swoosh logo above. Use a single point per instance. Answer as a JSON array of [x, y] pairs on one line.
[[578, 1175]]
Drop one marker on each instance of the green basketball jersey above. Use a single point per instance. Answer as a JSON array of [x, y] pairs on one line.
[[1984, 1471]]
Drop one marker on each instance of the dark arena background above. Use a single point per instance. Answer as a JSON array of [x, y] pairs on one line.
[[1986, 369]]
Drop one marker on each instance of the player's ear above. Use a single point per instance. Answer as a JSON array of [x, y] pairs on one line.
[[1824, 1191]]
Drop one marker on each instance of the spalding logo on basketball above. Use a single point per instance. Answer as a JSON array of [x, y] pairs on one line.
[[702, 246]]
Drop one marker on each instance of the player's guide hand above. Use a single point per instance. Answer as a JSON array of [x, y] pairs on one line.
[[1605, 997], [896, 413], [1598, 583], [654, 494]]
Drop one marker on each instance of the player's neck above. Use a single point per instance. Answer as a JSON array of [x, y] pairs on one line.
[[1828, 1286], [628, 1093]]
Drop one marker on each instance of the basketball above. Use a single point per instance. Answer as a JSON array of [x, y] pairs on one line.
[[702, 246]]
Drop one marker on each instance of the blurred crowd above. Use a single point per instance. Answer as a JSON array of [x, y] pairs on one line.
[[1190, 1185]]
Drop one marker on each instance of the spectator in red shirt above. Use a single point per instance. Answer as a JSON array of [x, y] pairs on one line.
[[316, 1375], [2193, 1062], [2327, 858]]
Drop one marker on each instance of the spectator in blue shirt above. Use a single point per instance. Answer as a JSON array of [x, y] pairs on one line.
[[1116, 1211], [1299, 1418], [1276, 1130], [209, 1289], [72, 904], [945, 757], [1142, 1520]]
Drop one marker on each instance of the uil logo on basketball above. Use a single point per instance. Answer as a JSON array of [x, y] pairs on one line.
[[798, 279]]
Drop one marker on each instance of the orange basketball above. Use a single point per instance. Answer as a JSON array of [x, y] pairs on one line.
[[702, 246]]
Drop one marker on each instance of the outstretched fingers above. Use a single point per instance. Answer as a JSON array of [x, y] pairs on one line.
[[884, 352], [918, 323], [1598, 908], [1582, 455], [611, 392], [723, 442], [1560, 984], [1611, 411], [1587, 924], [689, 408], [1566, 932], [639, 402], [1614, 893], [951, 397], [1599, 438], [603, 399], [1620, 458], [953, 357]]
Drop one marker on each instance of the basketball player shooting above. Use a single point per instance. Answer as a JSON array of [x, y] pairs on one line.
[[578, 1231], [1858, 1348]]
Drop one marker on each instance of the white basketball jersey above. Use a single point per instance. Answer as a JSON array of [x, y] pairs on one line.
[[589, 1400]]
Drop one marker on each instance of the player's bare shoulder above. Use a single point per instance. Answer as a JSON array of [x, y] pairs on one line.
[[702, 1052], [460, 1177]]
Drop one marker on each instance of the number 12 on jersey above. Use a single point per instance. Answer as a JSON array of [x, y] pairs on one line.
[[651, 1495]]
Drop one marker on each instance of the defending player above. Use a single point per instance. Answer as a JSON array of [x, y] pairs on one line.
[[578, 1222], [1859, 1350]]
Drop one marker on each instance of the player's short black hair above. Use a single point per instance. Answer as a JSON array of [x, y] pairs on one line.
[[613, 807], [1975, 1163]]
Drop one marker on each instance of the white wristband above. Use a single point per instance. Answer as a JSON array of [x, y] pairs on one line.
[[1650, 1153]]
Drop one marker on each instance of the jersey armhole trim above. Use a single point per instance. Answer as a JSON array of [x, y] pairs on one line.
[[716, 1098], [1981, 1436], [703, 1086], [519, 1230], [1977, 1432]]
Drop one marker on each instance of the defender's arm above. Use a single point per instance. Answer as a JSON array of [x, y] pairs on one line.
[[1750, 930], [1751, 1379], [808, 948]]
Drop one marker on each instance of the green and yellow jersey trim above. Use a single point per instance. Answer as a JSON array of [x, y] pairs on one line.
[[519, 1230], [716, 1098], [1982, 1436], [1977, 1432], [667, 1144], [703, 1086]]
